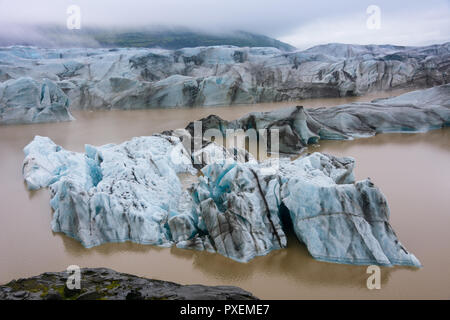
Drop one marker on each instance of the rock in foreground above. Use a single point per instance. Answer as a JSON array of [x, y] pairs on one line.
[[106, 284]]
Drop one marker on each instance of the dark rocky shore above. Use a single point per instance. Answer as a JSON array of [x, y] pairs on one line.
[[107, 284]]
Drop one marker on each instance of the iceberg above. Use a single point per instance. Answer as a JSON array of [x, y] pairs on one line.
[[112, 193], [239, 211], [416, 111], [244, 207], [340, 220], [238, 208]]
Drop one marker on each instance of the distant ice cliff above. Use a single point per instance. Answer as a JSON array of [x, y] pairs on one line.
[[221, 75]]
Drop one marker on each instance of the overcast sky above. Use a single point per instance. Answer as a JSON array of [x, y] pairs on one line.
[[300, 23]]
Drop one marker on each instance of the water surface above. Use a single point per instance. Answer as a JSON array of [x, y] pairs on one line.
[[412, 170]]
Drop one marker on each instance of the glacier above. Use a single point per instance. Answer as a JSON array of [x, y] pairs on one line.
[[237, 208], [136, 78], [29, 101], [416, 111]]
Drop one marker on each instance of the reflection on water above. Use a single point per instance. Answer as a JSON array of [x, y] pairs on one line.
[[293, 263], [411, 169]]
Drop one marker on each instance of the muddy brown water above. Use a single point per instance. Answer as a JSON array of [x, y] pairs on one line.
[[412, 170]]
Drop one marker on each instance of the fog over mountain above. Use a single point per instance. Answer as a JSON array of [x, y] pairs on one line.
[[53, 36], [299, 23]]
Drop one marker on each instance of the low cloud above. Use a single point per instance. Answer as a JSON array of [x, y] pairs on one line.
[[301, 23], [411, 28]]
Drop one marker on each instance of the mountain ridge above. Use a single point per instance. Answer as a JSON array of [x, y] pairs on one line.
[[164, 38]]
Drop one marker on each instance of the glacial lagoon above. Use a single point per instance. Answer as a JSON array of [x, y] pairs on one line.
[[411, 170]]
